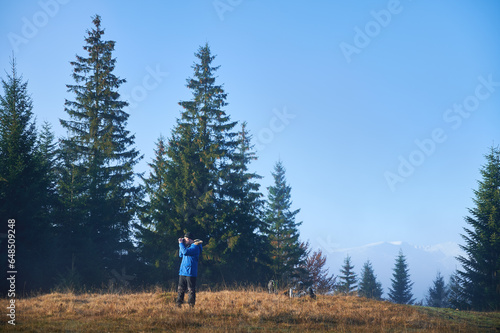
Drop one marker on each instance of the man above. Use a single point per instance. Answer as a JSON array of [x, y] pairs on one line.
[[271, 287], [189, 251]]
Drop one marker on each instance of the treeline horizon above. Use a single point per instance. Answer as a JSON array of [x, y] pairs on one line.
[[86, 219]]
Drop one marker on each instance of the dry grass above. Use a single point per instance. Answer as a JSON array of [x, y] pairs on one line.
[[226, 311]]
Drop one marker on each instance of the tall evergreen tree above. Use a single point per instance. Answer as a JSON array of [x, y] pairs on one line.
[[97, 178], [247, 246], [480, 277], [437, 295], [69, 222], [287, 254], [48, 154], [24, 192], [369, 287], [18, 169], [47, 148], [205, 184], [400, 292], [157, 235], [202, 146], [348, 279]]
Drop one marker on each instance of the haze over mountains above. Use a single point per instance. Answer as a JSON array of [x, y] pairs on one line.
[[423, 262]]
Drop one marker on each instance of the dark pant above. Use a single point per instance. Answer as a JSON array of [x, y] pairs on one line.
[[189, 283]]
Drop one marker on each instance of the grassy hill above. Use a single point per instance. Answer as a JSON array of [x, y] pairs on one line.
[[233, 311]]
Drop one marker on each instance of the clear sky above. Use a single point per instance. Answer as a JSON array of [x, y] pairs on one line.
[[381, 111]]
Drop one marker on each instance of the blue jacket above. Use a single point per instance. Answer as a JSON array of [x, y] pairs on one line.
[[189, 255]]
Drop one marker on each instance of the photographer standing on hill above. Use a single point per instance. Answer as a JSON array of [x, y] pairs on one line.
[[189, 251]]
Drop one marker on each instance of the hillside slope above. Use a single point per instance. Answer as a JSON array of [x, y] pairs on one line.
[[231, 311]]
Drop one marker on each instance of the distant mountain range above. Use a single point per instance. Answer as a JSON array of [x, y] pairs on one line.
[[424, 262]]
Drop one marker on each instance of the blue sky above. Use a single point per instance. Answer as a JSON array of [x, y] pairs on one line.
[[381, 111]]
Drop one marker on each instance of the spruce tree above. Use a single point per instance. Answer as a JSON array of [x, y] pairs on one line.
[[47, 148], [437, 295], [97, 177], [287, 254], [24, 183], [480, 277], [206, 186], [369, 287], [18, 147], [400, 292], [204, 140], [69, 222], [247, 246], [48, 154], [348, 279], [456, 298], [156, 234]]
